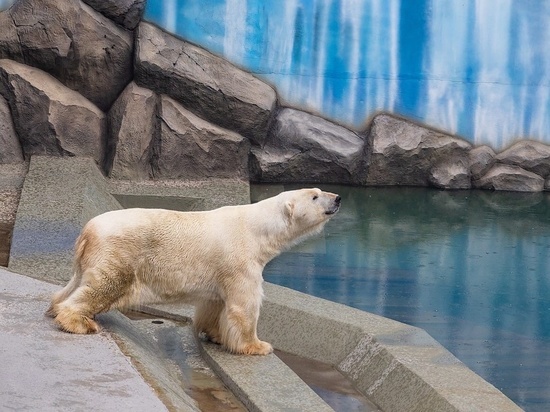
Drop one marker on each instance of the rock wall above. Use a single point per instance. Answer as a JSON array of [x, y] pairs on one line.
[[89, 78]]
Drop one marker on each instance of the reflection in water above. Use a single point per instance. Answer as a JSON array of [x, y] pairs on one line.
[[469, 267]]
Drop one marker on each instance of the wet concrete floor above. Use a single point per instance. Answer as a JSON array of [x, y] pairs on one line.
[[197, 378], [328, 383], [201, 384]]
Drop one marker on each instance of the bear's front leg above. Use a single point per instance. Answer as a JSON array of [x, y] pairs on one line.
[[207, 319], [238, 323]]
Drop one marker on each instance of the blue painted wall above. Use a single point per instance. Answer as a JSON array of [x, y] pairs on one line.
[[477, 68]]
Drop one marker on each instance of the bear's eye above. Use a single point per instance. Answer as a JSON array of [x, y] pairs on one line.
[[315, 197]]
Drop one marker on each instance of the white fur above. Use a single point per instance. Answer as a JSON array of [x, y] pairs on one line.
[[213, 259]]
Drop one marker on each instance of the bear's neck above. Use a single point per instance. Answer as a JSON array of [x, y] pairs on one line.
[[274, 236]]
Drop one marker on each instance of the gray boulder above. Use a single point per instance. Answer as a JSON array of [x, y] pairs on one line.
[[132, 127], [404, 153], [127, 13], [450, 174], [482, 158], [83, 49], [270, 164], [10, 148], [511, 178], [192, 148], [50, 118], [208, 85], [306, 148], [529, 155]]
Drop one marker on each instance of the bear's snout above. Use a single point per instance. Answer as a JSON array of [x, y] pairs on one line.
[[335, 206]]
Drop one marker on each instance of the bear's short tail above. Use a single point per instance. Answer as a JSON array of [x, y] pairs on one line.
[[60, 296], [80, 248]]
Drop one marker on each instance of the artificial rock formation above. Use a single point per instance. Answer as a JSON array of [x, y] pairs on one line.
[[206, 84], [132, 125], [191, 148], [404, 153], [303, 147], [154, 137], [450, 174], [50, 118], [482, 158], [10, 148], [126, 13], [529, 155], [510, 178], [83, 49]]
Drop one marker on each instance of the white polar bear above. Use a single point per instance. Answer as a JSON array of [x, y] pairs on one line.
[[212, 259]]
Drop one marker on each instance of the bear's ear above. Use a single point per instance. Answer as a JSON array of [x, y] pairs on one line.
[[289, 209]]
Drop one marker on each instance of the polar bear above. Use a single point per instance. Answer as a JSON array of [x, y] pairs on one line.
[[213, 259]]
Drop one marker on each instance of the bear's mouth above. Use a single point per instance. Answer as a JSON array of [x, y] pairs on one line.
[[335, 207], [333, 210]]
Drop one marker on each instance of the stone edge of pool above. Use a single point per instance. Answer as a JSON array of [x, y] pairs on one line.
[[397, 366]]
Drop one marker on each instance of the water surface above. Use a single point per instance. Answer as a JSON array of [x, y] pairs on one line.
[[470, 267]]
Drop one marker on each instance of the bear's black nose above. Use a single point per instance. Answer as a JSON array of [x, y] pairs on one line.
[[337, 200]]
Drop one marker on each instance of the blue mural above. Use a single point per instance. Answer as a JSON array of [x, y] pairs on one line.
[[476, 68]]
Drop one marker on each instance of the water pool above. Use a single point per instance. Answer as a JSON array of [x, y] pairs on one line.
[[469, 267]]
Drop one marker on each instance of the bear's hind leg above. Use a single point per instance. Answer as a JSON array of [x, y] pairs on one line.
[[207, 319], [75, 315], [63, 294], [98, 293]]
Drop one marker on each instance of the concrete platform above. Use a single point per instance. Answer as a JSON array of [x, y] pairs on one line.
[[43, 369], [397, 366], [12, 177]]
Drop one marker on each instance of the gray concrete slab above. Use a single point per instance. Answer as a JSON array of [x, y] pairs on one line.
[[12, 177], [248, 377], [140, 345], [43, 369], [59, 196], [264, 383], [181, 195], [397, 366]]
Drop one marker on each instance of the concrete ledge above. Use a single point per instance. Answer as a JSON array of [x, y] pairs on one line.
[[180, 195], [59, 196], [43, 369], [399, 367], [248, 377], [263, 383]]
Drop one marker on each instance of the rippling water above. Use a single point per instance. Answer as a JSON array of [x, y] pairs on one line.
[[470, 267]]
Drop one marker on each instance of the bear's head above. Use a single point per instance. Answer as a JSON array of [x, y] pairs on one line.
[[286, 219], [309, 209]]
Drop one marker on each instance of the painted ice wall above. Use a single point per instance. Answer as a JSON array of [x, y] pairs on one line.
[[476, 68]]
